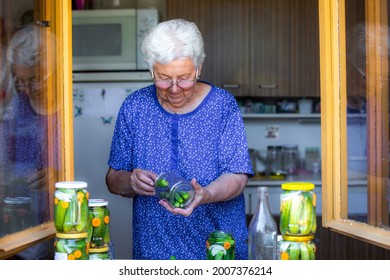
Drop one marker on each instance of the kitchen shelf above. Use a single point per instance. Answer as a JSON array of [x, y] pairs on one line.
[[316, 180]]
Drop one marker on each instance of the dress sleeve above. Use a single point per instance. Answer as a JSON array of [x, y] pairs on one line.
[[233, 154]]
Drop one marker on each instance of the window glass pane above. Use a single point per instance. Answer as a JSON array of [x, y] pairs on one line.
[[30, 118], [367, 114]]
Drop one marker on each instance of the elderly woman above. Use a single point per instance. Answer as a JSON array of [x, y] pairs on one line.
[[189, 127]]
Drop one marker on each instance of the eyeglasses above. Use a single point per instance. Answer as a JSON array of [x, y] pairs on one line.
[[165, 84], [32, 83]]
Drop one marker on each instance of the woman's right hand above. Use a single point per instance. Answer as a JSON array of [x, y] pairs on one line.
[[142, 182]]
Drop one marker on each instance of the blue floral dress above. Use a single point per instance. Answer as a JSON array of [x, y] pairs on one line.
[[202, 144]]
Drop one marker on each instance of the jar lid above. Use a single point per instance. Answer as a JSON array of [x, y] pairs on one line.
[[71, 185], [19, 200], [298, 238], [95, 202], [298, 186], [72, 235], [98, 250]]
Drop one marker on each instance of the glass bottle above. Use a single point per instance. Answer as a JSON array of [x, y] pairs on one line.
[[262, 231]]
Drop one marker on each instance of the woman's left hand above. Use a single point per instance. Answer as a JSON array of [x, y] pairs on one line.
[[201, 197]]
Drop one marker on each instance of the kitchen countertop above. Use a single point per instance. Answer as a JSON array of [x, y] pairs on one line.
[[312, 178]]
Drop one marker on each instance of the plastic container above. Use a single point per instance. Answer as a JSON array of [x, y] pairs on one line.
[[71, 207], [16, 214], [177, 191], [99, 254], [297, 248], [220, 245], [99, 223], [298, 209], [71, 246]]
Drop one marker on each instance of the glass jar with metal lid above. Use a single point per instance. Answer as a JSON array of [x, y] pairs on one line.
[[177, 191], [16, 214], [99, 223], [71, 207], [71, 246], [298, 209], [99, 254], [297, 248]]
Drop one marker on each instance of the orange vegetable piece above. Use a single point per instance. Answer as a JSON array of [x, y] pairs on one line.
[[226, 245], [96, 222], [106, 219], [77, 254]]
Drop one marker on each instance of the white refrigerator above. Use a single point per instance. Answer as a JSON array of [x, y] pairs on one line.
[[96, 101]]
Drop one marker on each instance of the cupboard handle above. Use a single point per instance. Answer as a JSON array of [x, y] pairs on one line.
[[268, 86], [231, 86]]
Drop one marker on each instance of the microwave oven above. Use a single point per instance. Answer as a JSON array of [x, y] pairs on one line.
[[110, 40]]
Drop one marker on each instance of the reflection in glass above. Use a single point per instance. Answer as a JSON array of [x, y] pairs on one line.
[[29, 129]]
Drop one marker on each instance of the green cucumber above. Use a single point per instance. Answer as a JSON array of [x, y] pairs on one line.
[[106, 238], [59, 214], [311, 249], [295, 214], [307, 215], [70, 215], [293, 252], [60, 246], [285, 214], [304, 251], [83, 211]]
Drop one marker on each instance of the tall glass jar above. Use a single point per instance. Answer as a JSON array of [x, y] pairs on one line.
[[220, 245], [262, 230], [291, 159], [99, 223], [71, 246], [298, 209], [71, 207], [275, 162]]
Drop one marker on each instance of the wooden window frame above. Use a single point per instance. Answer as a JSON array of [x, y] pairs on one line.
[[333, 127], [59, 16]]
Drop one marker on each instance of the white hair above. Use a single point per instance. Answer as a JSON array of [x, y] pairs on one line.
[[172, 40]]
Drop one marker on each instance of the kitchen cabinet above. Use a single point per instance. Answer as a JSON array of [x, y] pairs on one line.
[[257, 48]]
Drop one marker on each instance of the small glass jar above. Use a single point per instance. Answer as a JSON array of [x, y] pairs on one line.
[[99, 254], [99, 223], [16, 214], [177, 191], [71, 246], [297, 248], [71, 207], [220, 245], [298, 209]]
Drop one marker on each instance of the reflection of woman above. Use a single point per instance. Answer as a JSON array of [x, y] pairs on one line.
[[26, 121]]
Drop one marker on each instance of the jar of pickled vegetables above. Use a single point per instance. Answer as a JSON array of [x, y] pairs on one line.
[[16, 214], [298, 209], [177, 191], [71, 246], [99, 223], [297, 248], [99, 254], [220, 245], [71, 207]]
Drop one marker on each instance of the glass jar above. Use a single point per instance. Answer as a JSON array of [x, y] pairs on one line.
[[99, 254], [177, 191], [275, 162], [16, 214], [71, 246], [220, 245], [298, 209], [291, 159], [99, 223], [297, 248], [71, 207]]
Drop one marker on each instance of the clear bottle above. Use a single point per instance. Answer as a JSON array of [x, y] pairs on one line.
[[263, 230]]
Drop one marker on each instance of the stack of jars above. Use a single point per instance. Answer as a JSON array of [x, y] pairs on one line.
[[71, 220], [298, 221], [99, 229]]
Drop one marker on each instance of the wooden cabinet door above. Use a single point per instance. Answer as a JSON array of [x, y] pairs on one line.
[[285, 55], [226, 32]]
